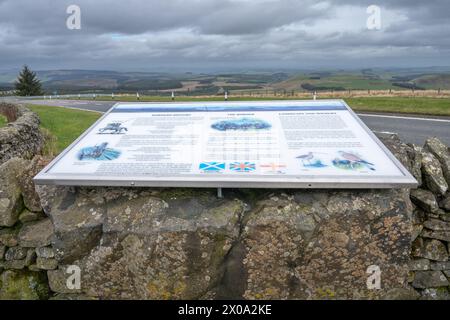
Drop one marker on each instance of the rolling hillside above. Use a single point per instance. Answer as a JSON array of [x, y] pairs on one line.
[[90, 81]]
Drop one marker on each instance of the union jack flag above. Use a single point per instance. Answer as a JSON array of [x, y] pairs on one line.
[[242, 166]]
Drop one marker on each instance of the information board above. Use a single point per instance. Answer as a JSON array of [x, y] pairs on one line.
[[272, 144]]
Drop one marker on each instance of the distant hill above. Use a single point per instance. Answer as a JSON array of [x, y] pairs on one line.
[[98, 81], [369, 79], [89, 81]]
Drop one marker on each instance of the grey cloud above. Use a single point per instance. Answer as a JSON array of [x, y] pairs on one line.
[[133, 33]]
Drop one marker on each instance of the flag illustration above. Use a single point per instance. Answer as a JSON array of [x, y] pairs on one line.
[[273, 167], [242, 166], [212, 166]]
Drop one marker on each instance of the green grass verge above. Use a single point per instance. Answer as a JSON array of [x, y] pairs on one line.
[[3, 121], [64, 124], [423, 106]]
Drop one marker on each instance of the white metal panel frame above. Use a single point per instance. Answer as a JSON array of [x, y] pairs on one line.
[[45, 177]]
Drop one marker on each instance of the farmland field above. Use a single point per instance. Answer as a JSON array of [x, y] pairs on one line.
[[58, 82]]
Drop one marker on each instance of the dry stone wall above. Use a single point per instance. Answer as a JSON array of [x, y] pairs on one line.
[[152, 243], [21, 137]]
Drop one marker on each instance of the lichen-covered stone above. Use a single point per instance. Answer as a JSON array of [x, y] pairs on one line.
[[406, 154], [30, 257], [429, 279], [401, 294], [30, 198], [432, 173], [439, 235], [419, 265], [21, 137], [15, 264], [437, 225], [416, 231], [441, 293], [430, 249], [440, 266], [415, 156], [45, 252], [425, 199], [187, 244], [147, 244], [441, 152], [23, 285], [78, 220], [2, 251], [48, 193], [16, 253], [46, 264], [8, 237], [58, 281], [66, 296], [349, 233], [445, 203], [11, 203], [36, 234], [28, 216]]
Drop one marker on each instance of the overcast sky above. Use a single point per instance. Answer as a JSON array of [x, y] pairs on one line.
[[191, 35]]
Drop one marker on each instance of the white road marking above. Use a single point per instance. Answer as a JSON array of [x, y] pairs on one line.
[[404, 118], [82, 109]]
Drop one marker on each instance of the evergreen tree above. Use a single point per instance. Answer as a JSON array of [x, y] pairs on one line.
[[27, 83]]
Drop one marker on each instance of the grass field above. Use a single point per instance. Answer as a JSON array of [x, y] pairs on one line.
[[64, 124], [3, 121], [423, 106]]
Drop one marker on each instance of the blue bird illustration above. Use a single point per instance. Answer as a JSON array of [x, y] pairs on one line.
[[308, 157], [355, 158]]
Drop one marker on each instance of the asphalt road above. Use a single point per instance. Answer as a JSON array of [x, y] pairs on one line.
[[413, 129]]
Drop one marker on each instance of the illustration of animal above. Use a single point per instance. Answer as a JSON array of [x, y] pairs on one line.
[[308, 157], [93, 152], [114, 128], [355, 158], [98, 152]]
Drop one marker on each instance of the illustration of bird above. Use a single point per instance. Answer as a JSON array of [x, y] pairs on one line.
[[355, 158], [308, 157], [98, 152]]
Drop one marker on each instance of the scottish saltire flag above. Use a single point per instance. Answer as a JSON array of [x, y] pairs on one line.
[[242, 166], [212, 166]]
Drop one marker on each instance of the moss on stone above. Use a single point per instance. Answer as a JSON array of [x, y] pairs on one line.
[[24, 285]]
